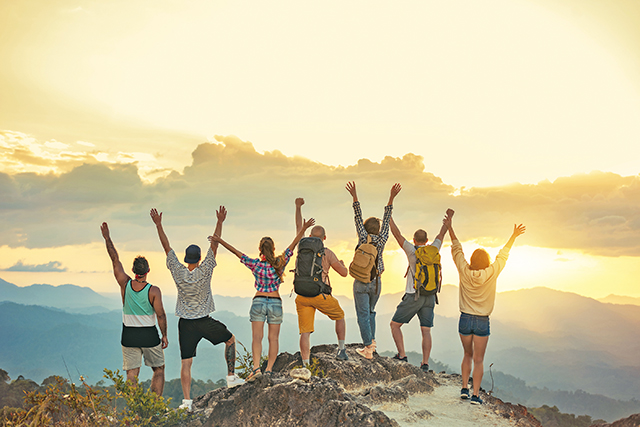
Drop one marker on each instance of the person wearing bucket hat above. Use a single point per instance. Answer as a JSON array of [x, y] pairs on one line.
[[195, 303]]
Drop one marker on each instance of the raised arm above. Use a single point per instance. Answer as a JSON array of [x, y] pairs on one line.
[[118, 271], [300, 235], [518, 230], [448, 222], [351, 188], [221, 213], [157, 220], [443, 229], [217, 239], [299, 203], [396, 232], [155, 296]]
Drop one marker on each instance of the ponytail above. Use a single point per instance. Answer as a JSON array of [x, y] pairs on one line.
[[267, 249]]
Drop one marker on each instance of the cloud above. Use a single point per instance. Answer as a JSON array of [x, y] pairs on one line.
[[598, 213], [53, 266]]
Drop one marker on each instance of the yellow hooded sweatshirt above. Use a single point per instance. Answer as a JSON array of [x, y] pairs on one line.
[[477, 287]]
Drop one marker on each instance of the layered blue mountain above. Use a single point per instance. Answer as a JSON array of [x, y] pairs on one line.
[[549, 339]]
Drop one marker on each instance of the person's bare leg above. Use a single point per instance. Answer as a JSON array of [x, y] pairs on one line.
[[132, 375], [257, 333], [479, 348], [230, 354], [396, 333], [341, 329], [185, 377], [426, 344], [274, 333], [157, 380], [305, 345], [465, 368]]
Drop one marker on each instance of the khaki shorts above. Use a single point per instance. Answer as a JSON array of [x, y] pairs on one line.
[[132, 356], [307, 306]]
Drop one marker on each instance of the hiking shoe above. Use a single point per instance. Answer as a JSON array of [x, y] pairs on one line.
[[464, 393], [366, 352], [234, 381], [475, 400], [402, 359], [424, 367], [186, 404], [342, 354]]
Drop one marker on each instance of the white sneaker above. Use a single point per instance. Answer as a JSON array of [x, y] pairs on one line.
[[234, 381], [186, 404]]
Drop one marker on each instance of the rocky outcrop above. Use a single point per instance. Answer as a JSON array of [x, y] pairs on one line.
[[340, 393], [517, 413], [632, 421]]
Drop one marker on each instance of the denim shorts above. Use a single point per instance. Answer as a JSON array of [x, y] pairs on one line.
[[267, 309], [470, 324]]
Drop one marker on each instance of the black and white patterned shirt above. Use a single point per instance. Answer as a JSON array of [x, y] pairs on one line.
[[380, 239], [194, 287]]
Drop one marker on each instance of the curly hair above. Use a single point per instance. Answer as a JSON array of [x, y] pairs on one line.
[[140, 266]]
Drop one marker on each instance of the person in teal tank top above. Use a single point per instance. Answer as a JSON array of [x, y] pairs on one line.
[[141, 309]]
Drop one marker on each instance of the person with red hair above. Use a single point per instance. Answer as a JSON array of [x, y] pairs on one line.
[[478, 280]]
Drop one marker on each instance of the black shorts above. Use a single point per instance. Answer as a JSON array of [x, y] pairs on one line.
[[191, 331]]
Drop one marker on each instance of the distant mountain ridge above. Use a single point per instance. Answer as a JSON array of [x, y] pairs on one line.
[[619, 299], [70, 297], [547, 338]]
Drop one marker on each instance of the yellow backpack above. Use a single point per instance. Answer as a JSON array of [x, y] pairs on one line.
[[427, 279]]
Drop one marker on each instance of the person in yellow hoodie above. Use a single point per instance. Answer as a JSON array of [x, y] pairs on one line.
[[477, 297]]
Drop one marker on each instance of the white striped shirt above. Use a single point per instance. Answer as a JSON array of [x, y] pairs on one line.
[[194, 287]]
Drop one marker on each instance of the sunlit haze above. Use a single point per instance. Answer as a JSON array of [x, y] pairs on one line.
[[508, 111]]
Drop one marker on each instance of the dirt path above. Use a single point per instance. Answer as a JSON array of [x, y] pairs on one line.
[[445, 409]]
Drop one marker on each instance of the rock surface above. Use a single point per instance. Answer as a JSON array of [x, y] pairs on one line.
[[356, 392], [632, 421]]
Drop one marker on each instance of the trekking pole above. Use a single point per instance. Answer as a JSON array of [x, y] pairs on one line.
[[491, 373]]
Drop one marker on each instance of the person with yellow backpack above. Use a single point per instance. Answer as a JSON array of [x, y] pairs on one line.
[[424, 277], [367, 267]]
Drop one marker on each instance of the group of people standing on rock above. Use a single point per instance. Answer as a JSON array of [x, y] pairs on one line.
[[142, 302]]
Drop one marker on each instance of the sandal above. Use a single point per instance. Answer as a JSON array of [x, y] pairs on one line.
[[256, 373]]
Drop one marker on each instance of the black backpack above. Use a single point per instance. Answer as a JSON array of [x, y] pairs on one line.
[[308, 273]]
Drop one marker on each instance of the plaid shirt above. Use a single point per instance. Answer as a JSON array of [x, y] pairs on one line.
[[379, 239], [267, 280]]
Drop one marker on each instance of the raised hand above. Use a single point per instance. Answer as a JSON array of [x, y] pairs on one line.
[[308, 223], [214, 238], [351, 188], [450, 213], [104, 228], [518, 230], [299, 202], [395, 189], [221, 214], [394, 192], [155, 216]]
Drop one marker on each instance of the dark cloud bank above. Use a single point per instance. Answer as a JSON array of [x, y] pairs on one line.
[[597, 212]]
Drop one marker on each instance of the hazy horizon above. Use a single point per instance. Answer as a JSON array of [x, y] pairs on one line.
[[520, 111]]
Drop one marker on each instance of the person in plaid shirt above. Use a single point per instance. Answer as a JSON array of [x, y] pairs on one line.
[[267, 305], [365, 295]]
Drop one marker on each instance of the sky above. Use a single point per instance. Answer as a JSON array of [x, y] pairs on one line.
[[519, 111]]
